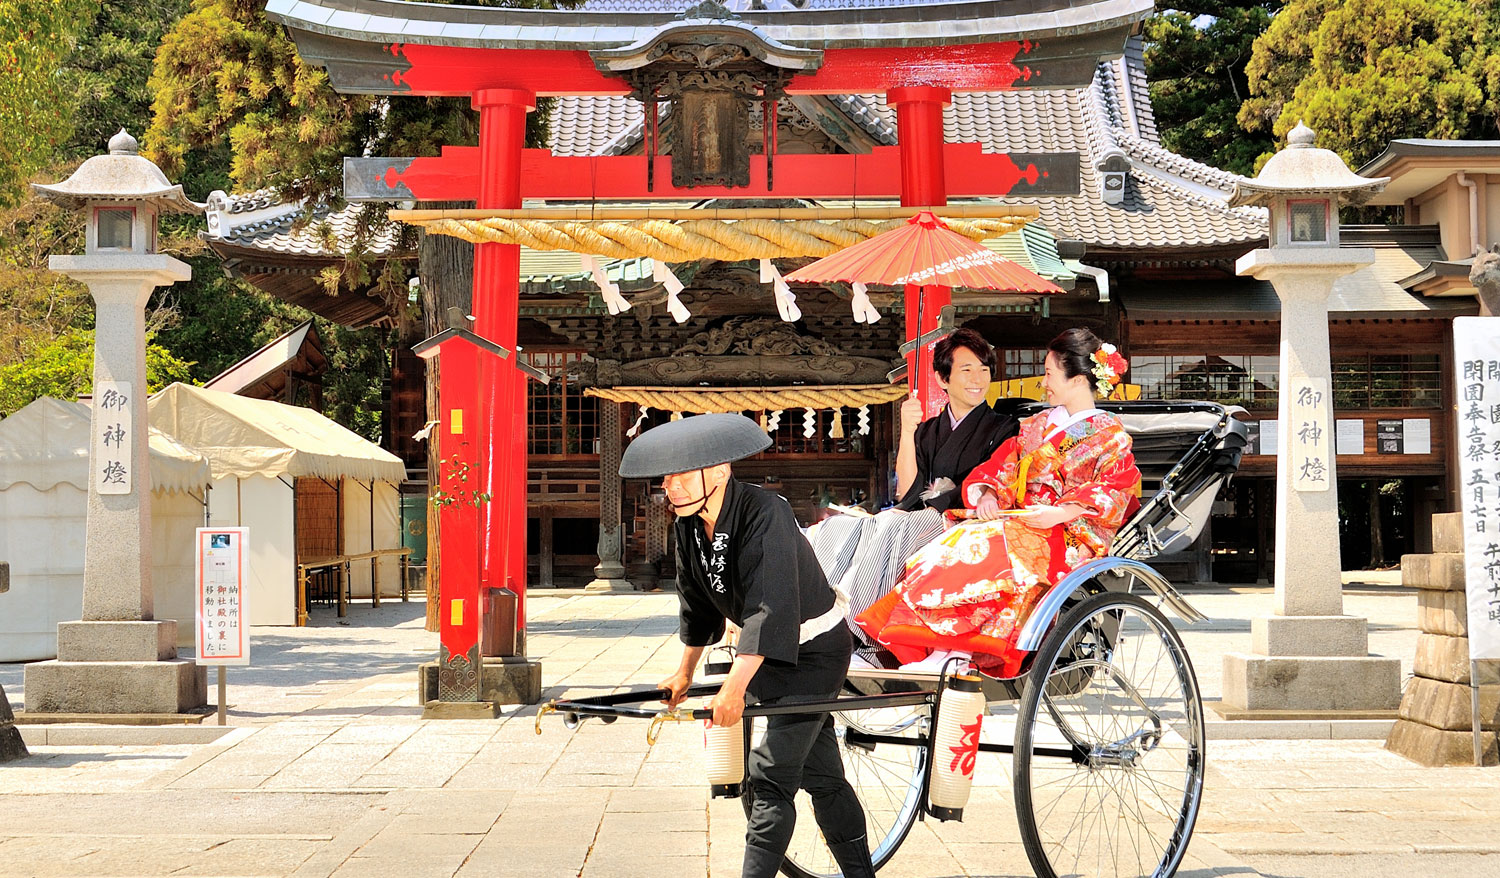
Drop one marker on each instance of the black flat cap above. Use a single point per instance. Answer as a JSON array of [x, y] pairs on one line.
[[692, 443]]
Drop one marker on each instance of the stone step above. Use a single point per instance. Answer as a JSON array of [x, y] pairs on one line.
[[1443, 658], [1449, 706], [1443, 571], [1442, 612], [1434, 747], [1448, 532]]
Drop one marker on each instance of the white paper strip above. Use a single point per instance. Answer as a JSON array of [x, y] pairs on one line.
[[864, 420], [786, 301], [809, 423], [775, 423], [664, 276], [616, 303], [864, 312], [639, 422], [1476, 348]]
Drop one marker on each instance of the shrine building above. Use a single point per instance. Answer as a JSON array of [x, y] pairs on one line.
[[1140, 239]]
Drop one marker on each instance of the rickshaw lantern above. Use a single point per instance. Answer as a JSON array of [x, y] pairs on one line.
[[955, 746], [725, 748]]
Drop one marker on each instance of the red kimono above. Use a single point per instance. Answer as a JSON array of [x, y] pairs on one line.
[[971, 589]]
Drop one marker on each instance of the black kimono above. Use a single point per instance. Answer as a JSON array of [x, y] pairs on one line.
[[759, 571], [943, 451]]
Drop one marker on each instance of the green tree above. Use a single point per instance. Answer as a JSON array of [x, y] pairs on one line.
[[1365, 72], [105, 76], [35, 35], [1196, 53], [63, 367]]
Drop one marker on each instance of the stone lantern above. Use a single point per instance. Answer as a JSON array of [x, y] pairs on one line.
[[1308, 656], [118, 659]]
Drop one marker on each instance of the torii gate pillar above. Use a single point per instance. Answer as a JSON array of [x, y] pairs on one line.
[[497, 289], [919, 133]]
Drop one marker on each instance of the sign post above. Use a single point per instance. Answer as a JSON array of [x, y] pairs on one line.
[[221, 563], [1476, 349]]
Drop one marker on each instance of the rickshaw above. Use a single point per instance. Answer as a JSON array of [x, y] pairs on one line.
[[1108, 739]]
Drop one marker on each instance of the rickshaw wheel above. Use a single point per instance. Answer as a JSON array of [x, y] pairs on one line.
[[1112, 685], [887, 776]]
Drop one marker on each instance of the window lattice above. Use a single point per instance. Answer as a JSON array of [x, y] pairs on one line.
[[560, 418]]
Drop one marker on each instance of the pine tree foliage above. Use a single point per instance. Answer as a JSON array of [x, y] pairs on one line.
[[1196, 53], [1365, 72], [105, 76]]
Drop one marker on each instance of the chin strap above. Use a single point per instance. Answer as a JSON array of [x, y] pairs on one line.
[[701, 504]]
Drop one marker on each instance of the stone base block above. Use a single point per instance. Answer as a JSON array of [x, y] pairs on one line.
[[1310, 635], [1448, 532], [1440, 572], [176, 686], [11, 745], [116, 641], [460, 710], [504, 681], [1449, 706], [1440, 657], [619, 585], [116, 720], [1443, 612], [1434, 747], [1258, 682]]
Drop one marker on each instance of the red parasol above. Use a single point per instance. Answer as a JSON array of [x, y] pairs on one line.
[[924, 252]]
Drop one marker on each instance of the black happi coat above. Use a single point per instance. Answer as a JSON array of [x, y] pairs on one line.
[[943, 451], [759, 572]]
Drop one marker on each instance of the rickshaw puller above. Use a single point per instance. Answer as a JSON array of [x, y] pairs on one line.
[[742, 559]]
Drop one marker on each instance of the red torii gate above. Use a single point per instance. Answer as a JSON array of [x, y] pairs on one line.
[[383, 47]]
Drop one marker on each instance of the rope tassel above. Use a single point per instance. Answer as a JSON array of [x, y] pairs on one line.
[[786, 301], [616, 303], [664, 276]]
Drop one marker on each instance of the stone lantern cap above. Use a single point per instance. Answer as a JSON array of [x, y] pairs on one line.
[[1302, 169], [121, 176]]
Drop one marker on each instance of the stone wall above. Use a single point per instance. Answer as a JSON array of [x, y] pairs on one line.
[[1435, 725]]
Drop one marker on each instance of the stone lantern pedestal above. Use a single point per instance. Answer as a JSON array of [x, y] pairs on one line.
[[118, 659], [1308, 658]]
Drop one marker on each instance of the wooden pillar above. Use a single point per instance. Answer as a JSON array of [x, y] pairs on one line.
[[609, 574]]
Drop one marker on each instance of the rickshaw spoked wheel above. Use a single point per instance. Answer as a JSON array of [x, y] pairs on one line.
[[1111, 683]]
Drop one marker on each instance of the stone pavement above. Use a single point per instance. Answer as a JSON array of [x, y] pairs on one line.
[[329, 771]]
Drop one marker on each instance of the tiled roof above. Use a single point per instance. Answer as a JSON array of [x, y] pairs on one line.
[[259, 221], [1156, 211]]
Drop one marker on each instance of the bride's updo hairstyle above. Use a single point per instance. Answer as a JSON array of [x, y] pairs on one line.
[[1075, 351]]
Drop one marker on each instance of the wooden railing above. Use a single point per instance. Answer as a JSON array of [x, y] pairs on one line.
[[339, 566]]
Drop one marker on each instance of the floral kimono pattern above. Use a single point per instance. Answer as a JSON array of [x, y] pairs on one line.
[[972, 588]]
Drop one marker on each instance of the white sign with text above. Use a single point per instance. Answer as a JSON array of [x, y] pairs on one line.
[[223, 574]]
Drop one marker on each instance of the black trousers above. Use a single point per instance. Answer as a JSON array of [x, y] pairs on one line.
[[800, 751]]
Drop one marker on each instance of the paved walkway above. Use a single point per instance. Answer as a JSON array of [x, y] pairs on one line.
[[330, 771]]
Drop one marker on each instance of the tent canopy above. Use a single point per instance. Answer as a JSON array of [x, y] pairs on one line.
[[254, 437], [47, 443]]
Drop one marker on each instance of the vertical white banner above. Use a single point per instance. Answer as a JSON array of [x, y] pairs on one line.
[[1309, 436], [222, 559], [1476, 348], [113, 442]]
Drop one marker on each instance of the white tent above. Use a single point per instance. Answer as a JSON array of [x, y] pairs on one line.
[[264, 454], [44, 460]]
